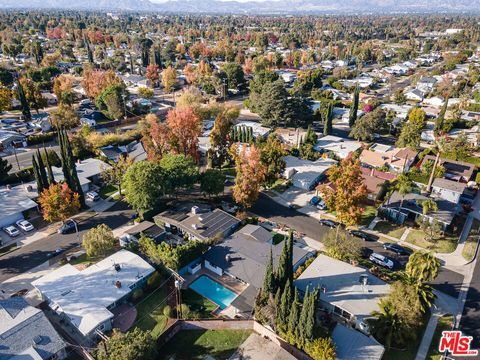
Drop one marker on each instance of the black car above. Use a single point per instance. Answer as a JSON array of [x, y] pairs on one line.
[[329, 223], [363, 235], [56, 252], [67, 227], [397, 249]]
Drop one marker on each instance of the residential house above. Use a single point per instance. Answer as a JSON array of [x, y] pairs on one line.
[[197, 223], [414, 95], [349, 292], [472, 134], [133, 150], [244, 256], [86, 298], [374, 180], [341, 147], [426, 84], [10, 138], [291, 136], [306, 174], [26, 333], [436, 101], [15, 203], [395, 159], [147, 228], [448, 190], [353, 345], [257, 128], [454, 170]]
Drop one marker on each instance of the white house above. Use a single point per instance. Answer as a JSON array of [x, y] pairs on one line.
[[339, 146], [306, 174], [448, 189], [414, 95], [86, 297]]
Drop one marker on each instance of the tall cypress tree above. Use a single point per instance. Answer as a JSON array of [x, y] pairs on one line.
[[282, 275], [51, 178], [289, 262], [283, 310], [310, 305], [23, 101], [293, 319], [439, 123], [69, 167], [41, 169], [269, 280], [354, 107], [327, 127], [36, 173], [302, 321]]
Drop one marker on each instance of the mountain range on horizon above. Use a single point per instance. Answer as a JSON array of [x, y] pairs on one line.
[[253, 7]]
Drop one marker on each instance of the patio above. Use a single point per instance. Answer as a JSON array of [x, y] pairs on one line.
[[124, 317]]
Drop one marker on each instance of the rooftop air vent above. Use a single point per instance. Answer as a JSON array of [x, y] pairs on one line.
[[118, 284], [37, 339], [117, 267]]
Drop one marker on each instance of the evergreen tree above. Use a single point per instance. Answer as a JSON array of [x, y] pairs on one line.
[[269, 280], [302, 321], [284, 308], [310, 316], [352, 117], [327, 128], [36, 173], [51, 178], [68, 165], [5, 167], [293, 320], [439, 123], [23, 101], [289, 263], [281, 274], [41, 169]]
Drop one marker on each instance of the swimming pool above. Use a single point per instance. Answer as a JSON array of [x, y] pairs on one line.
[[214, 291]]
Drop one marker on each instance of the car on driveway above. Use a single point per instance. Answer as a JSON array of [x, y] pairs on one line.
[[381, 260], [55, 252], [25, 225], [397, 249], [315, 200], [92, 196], [329, 223], [363, 235], [11, 231], [67, 227]]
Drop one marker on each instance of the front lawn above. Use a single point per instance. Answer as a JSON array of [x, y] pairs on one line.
[[107, 191], [281, 185], [390, 229], [444, 323], [199, 306], [197, 344], [150, 312], [470, 246], [368, 215], [446, 244]]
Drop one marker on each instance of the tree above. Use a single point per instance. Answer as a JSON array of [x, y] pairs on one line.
[[48, 158], [321, 349], [143, 183], [340, 245], [5, 167], [95, 81], [185, 128], [99, 240], [132, 345], [69, 167], [293, 320], [422, 266], [249, 175], [269, 278], [440, 122], [169, 79], [272, 104], [113, 175], [64, 117], [62, 88], [429, 205], [410, 136], [352, 116], [404, 186], [152, 74], [32, 93], [6, 77], [111, 101], [58, 202], [220, 136], [155, 138], [23, 101], [284, 308], [365, 128], [145, 92], [5, 99], [179, 172], [272, 154], [212, 182], [234, 73], [350, 191]]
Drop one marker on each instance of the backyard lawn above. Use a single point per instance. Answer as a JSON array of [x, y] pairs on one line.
[[390, 229], [150, 312], [196, 344], [447, 244], [471, 243], [444, 323], [198, 304]]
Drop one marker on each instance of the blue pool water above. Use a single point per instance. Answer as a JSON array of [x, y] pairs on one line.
[[214, 291]]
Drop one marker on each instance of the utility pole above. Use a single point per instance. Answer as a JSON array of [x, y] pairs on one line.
[[16, 157]]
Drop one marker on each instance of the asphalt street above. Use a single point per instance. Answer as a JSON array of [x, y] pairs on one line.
[[470, 322], [34, 254], [24, 156], [447, 281]]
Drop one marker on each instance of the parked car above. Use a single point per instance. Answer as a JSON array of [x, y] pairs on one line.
[[25, 225], [11, 231], [397, 249], [67, 227], [329, 223], [321, 205], [363, 235], [315, 200], [381, 260], [55, 252], [92, 195]]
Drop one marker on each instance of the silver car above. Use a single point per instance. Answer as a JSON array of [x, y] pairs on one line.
[[25, 225], [381, 260], [11, 231]]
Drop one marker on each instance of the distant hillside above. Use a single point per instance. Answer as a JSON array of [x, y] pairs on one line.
[[267, 7]]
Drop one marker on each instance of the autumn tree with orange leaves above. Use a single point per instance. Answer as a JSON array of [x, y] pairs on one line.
[[95, 81], [58, 202], [350, 191], [156, 138], [152, 74], [185, 128], [250, 174]]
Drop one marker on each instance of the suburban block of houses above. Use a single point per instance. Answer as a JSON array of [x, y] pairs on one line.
[[86, 297]]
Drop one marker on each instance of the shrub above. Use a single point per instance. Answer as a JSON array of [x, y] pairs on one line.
[[41, 138], [185, 311], [154, 280], [137, 294], [167, 311], [24, 175]]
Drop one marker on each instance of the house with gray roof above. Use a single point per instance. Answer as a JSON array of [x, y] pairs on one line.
[[26, 333], [353, 345]]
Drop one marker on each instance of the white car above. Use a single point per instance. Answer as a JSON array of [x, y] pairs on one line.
[[25, 225], [381, 260], [11, 231], [93, 196]]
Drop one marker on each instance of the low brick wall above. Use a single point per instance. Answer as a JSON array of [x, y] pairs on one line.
[[225, 324]]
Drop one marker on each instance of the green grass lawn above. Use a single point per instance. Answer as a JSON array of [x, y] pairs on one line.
[[444, 323], [277, 238], [368, 215], [470, 246], [150, 312], [390, 229], [411, 350], [196, 344], [280, 185], [107, 191], [446, 244], [198, 304]]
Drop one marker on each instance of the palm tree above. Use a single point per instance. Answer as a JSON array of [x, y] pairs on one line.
[[388, 323], [404, 186], [422, 266], [429, 205], [423, 290]]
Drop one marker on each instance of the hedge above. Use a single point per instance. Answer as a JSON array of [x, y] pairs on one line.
[[41, 138]]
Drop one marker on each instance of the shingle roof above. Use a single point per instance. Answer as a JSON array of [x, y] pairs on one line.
[[353, 345], [454, 186], [25, 329]]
